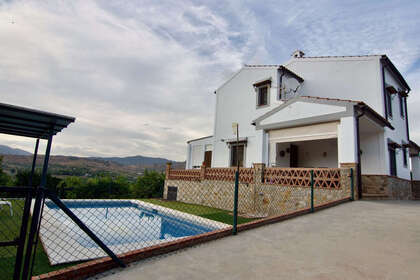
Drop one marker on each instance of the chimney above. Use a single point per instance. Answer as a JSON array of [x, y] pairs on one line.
[[298, 54]]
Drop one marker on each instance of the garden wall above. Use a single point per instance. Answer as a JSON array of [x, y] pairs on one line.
[[262, 191], [386, 187]]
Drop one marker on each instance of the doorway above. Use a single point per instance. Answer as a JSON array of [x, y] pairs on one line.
[[207, 159], [294, 156]]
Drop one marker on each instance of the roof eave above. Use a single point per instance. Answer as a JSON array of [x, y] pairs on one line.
[[291, 73], [201, 138], [387, 62], [372, 113]]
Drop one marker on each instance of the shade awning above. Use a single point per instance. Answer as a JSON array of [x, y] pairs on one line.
[[304, 133], [20, 121]]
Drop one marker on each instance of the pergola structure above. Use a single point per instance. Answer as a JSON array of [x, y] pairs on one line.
[[36, 124], [32, 123]]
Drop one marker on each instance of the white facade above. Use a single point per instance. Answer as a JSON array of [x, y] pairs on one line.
[[311, 113]]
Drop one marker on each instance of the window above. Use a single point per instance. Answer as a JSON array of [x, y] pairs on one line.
[[237, 152], [392, 160], [401, 106], [262, 98], [404, 152], [388, 100]]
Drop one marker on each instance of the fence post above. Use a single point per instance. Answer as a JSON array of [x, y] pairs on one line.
[[352, 184], [235, 204], [312, 191], [168, 170], [202, 172]]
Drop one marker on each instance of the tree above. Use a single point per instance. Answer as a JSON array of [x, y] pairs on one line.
[[22, 179], [150, 185], [4, 177]]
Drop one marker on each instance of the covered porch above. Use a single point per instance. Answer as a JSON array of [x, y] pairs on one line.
[[312, 132], [318, 132]]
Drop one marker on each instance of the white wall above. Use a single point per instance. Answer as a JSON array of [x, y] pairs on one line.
[[373, 153], [236, 102], [299, 110], [399, 134], [356, 78], [274, 158], [195, 152], [347, 141]]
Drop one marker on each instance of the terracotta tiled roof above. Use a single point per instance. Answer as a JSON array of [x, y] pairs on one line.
[[341, 56], [333, 99], [364, 107], [201, 138]]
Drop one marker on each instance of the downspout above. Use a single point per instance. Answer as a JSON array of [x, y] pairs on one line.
[[359, 162], [408, 139], [280, 84]]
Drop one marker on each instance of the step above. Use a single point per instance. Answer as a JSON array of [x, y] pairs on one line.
[[374, 196]]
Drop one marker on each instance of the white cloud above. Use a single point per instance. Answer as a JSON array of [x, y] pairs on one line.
[[139, 75]]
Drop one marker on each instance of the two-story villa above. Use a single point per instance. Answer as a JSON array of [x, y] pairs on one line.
[[328, 111]]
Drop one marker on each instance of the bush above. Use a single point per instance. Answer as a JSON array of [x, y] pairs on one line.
[[4, 177], [22, 179], [150, 185]]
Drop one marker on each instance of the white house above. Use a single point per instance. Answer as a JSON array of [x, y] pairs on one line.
[[312, 112]]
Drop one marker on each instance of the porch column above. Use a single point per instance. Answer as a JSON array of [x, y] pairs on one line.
[[347, 140], [261, 142], [347, 151]]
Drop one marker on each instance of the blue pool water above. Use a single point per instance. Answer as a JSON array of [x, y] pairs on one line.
[[124, 222]]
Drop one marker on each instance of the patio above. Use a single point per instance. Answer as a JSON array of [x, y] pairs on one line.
[[358, 240]]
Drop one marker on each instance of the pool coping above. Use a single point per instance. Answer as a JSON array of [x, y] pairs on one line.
[[52, 234]]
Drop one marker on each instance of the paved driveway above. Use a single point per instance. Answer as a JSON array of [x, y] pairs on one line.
[[358, 240]]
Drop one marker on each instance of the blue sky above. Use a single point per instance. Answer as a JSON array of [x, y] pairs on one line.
[[139, 75]]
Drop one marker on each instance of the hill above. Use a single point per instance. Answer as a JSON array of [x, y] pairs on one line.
[[15, 159], [6, 150], [135, 160]]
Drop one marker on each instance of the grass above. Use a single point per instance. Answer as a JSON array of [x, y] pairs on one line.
[[10, 228], [199, 210]]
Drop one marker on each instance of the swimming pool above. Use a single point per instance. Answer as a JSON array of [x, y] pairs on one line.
[[123, 225]]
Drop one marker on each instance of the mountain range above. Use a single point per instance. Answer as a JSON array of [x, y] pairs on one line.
[[15, 159], [6, 150]]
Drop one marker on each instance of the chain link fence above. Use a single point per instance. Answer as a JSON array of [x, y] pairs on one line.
[[122, 225], [11, 212], [194, 203]]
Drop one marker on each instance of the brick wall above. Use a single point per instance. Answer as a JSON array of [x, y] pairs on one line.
[[416, 190]]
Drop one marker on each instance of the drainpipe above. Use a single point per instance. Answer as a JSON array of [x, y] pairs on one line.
[[280, 84], [408, 138], [359, 162]]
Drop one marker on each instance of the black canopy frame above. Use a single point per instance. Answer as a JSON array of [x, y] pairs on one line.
[[41, 125], [21, 121]]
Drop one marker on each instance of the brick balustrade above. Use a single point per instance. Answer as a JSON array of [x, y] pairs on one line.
[[298, 177]]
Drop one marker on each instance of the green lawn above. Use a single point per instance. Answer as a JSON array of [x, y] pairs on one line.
[[9, 230], [199, 210], [10, 227]]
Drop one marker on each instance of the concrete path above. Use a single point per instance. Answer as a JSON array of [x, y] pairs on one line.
[[358, 240]]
